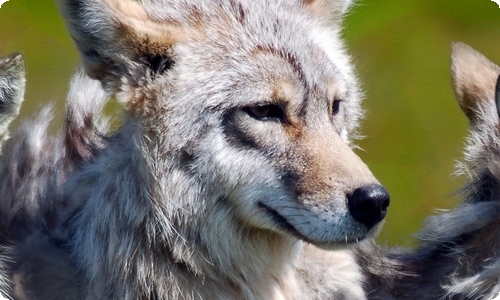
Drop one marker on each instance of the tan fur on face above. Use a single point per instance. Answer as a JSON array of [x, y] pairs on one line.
[[139, 24], [325, 172], [286, 92], [131, 15], [474, 79]]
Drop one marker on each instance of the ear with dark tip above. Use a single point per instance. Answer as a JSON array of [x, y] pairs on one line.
[[12, 86], [474, 80]]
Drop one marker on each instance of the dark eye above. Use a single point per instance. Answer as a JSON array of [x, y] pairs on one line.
[[336, 106], [266, 112]]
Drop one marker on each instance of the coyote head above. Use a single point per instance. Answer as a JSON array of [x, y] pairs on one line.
[[243, 111]]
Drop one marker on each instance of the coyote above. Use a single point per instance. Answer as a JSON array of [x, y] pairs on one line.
[[232, 175]]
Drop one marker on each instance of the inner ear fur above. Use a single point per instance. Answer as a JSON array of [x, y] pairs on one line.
[[118, 38], [474, 79]]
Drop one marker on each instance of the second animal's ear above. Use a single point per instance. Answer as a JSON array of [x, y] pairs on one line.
[[475, 82], [118, 38]]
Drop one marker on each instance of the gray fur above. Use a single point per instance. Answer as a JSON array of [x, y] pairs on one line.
[[12, 84], [202, 193]]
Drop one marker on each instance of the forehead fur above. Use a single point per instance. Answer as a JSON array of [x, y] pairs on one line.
[[179, 9], [240, 27], [259, 15]]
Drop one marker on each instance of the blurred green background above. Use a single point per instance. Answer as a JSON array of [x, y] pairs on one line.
[[414, 129]]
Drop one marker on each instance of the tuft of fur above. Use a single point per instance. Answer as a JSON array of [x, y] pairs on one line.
[[232, 175], [34, 168], [12, 85]]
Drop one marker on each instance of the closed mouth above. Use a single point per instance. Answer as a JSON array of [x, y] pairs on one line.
[[286, 226], [281, 221]]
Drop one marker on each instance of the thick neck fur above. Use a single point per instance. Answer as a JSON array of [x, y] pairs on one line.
[[185, 248]]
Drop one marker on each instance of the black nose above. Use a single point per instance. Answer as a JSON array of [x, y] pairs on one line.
[[368, 204]]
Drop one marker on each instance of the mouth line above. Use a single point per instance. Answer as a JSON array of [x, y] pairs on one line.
[[284, 224]]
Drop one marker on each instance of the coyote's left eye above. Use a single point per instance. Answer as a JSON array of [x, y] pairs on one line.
[[266, 112], [336, 106]]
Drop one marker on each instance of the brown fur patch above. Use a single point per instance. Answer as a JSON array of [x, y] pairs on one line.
[[317, 165], [286, 56], [285, 91], [131, 15]]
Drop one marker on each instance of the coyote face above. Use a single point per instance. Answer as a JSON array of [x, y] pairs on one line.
[[257, 103], [275, 143]]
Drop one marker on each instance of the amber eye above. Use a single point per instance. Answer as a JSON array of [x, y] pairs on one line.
[[266, 112], [336, 106]]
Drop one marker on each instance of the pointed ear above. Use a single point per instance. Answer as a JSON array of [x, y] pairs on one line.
[[118, 38], [474, 80], [329, 9], [12, 85]]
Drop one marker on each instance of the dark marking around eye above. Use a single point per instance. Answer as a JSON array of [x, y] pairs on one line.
[[269, 112]]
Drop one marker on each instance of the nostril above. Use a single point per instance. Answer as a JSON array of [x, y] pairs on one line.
[[368, 204]]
